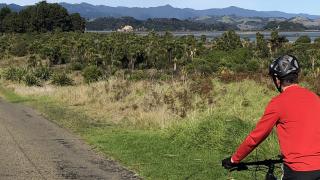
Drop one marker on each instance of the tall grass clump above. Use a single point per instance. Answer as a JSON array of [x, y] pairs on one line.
[[43, 73], [31, 80], [223, 127], [61, 79], [15, 74]]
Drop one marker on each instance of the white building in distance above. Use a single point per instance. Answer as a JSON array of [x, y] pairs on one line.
[[126, 28]]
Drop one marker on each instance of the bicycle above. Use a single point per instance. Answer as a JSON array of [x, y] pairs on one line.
[[269, 164]]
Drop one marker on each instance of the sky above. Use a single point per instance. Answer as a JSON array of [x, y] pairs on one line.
[[290, 6]]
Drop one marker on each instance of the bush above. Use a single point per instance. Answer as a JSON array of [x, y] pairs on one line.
[[19, 49], [43, 73], [76, 66], [303, 40], [31, 80], [92, 74], [14, 74], [253, 65], [61, 79], [205, 66], [55, 55], [138, 75], [238, 60]]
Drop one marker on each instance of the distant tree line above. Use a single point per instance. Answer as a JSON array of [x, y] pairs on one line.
[[115, 51], [42, 17], [157, 24], [153, 56], [285, 26]]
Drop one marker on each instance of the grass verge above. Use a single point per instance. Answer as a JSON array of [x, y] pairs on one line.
[[190, 150]]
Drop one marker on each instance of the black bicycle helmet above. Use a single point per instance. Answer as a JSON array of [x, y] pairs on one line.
[[282, 67]]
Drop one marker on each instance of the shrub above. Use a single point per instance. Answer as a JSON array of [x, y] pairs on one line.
[[61, 79], [138, 75], [55, 55], [43, 73], [14, 74], [205, 66], [252, 65], [92, 74], [202, 86], [31, 80], [19, 49], [303, 40], [76, 66], [313, 82], [235, 60]]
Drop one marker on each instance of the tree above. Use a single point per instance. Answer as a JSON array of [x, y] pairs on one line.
[[42, 17], [12, 23], [55, 55], [50, 17], [228, 41], [78, 23], [314, 59], [203, 38], [135, 52], [261, 46], [285, 26], [276, 42], [3, 13]]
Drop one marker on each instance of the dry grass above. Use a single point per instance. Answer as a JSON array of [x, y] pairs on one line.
[[156, 104], [142, 104], [13, 61]]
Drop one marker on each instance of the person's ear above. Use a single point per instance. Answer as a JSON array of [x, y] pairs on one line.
[[278, 82]]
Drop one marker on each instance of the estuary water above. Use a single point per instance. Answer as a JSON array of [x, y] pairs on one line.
[[291, 36]]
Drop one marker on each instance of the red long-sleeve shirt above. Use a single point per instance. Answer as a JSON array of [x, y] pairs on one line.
[[296, 115]]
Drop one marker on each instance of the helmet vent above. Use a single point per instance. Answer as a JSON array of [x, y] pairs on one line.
[[284, 66]]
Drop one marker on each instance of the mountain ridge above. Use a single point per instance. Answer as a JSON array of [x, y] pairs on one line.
[[90, 11]]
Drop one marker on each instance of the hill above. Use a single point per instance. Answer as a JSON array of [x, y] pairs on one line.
[[157, 24], [176, 19], [205, 23], [90, 11], [261, 23], [13, 7]]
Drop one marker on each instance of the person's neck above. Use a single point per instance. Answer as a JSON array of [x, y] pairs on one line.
[[284, 88]]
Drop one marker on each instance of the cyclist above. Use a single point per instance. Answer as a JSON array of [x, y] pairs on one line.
[[296, 114]]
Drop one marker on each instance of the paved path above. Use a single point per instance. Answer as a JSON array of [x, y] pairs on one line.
[[32, 147]]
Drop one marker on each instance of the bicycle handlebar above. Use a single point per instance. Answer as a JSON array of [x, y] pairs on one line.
[[268, 163]]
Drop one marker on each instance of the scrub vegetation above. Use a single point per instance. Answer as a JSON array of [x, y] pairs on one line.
[[157, 144], [166, 107]]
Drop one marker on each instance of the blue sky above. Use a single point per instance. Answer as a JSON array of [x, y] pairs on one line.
[[292, 6]]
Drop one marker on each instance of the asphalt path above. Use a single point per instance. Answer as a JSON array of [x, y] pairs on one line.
[[32, 148]]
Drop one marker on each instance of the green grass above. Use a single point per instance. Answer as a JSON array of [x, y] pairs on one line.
[[13, 97], [191, 149]]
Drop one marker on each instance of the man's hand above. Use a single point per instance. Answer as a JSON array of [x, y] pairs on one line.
[[227, 163]]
